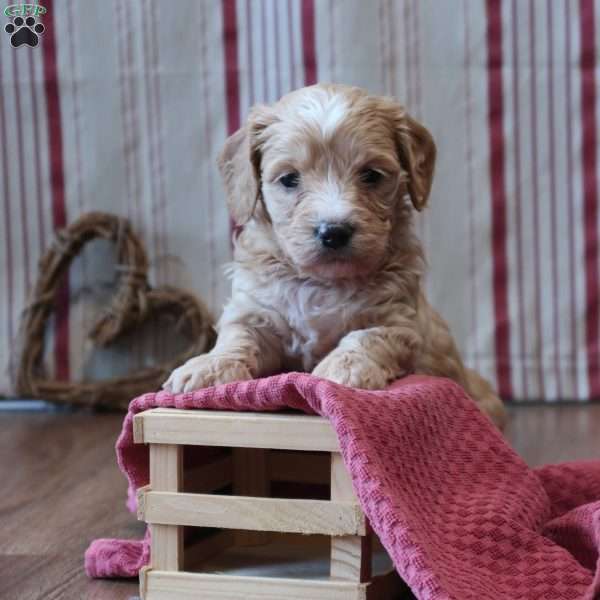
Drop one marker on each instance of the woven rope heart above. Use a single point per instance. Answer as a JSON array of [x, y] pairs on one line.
[[133, 304]]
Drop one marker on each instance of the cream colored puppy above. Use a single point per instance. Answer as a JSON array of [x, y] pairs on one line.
[[327, 276]]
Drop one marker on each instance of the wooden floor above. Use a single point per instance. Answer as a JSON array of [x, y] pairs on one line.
[[61, 488]]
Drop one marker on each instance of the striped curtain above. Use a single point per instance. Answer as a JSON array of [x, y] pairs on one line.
[[124, 105]]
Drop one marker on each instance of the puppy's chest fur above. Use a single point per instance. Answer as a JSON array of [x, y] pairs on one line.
[[312, 317]]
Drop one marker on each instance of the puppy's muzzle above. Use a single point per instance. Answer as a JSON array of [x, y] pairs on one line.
[[334, 235]]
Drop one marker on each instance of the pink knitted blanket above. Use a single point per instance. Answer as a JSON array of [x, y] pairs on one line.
[[461, 515]]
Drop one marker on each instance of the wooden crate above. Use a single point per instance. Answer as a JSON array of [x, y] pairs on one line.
[[261, 443]]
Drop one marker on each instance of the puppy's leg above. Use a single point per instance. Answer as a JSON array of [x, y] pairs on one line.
[[486, 399], [371, 358], [242, 352], [441, 357]]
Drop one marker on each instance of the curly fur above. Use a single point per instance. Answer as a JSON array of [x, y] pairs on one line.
[[356, 316]]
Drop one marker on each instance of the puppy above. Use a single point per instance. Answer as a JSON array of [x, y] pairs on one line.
[[327, 276]]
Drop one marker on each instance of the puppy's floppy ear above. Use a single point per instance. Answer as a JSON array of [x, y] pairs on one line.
[[417, 151], [240, 166]]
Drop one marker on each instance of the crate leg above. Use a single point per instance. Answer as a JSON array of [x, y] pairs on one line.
[[166, 467], [250, 478], [350, 555]]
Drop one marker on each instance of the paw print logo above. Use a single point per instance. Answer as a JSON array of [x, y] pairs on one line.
[[24, 31]]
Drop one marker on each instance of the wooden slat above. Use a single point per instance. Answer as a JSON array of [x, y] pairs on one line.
[[235, 429], [166, 550], [250, 479], [299, 467], [143, 577], [350, 555], [256, 514], [163, 585]]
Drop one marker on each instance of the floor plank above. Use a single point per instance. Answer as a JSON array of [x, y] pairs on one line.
[[65, 490], [551, 434], [62, 489]]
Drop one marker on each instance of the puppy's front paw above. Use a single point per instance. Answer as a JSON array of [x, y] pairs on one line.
[[206, 370], [353, 369]]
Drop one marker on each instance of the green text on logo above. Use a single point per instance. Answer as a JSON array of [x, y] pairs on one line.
[[25, 10]]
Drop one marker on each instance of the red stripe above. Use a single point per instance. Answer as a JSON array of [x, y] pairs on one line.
[[59, 210], [309, 42], [498, 191], [571, 203], [590, 192], [232, 70], [23, 198], [232, 73]]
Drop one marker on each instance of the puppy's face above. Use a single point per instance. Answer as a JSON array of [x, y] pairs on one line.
[[331, 166]]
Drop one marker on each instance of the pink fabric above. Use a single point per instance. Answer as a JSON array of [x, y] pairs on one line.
[[461, 515]]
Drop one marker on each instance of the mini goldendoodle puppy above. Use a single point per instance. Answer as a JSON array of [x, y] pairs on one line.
[[327, 276]]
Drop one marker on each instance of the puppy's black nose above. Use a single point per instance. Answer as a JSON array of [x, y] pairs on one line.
[[334, 235]]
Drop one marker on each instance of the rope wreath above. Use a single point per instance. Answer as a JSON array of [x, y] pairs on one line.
[[133, 303]]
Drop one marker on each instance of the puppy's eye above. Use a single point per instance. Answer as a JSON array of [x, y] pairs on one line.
[[370, 176], [290, 180]]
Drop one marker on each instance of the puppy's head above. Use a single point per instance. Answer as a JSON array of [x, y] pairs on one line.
[[328, 168]]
